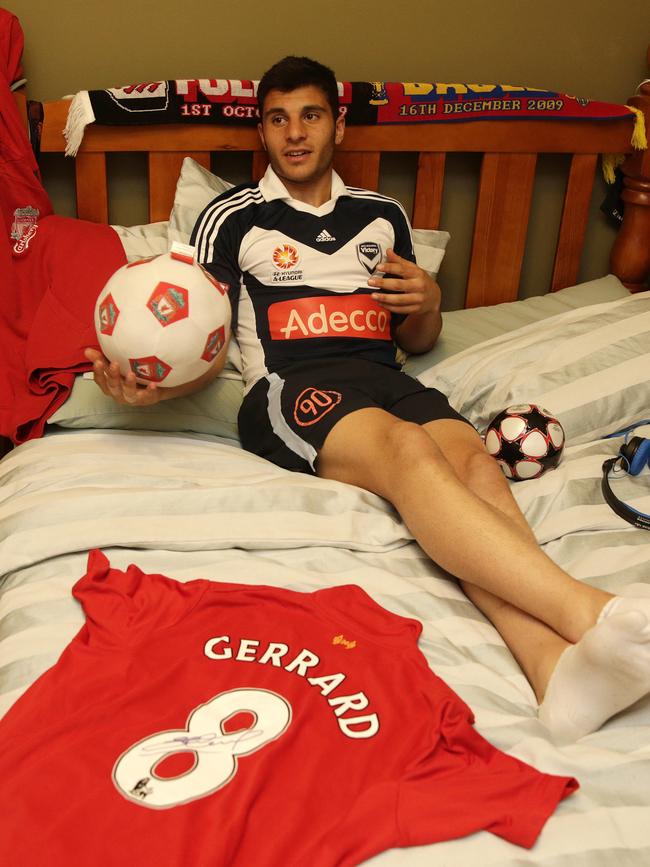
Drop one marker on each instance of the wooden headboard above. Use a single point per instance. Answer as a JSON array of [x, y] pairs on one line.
[[510, 151]]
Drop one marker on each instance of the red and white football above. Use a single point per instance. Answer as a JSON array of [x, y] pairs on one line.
[[165, 318]]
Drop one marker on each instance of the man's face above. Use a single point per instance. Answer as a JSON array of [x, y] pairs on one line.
[[299, 134]]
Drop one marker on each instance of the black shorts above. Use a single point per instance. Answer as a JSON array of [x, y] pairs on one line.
[[287, 416]]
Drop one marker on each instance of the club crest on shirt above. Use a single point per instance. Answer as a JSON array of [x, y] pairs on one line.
[[369, 254], [24, 220], [23, 228], [344, 642]]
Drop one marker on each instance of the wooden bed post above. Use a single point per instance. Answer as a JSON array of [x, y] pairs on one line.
[[630, 259]]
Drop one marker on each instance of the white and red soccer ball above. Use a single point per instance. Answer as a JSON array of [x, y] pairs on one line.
[[526, 440], [165, 318]]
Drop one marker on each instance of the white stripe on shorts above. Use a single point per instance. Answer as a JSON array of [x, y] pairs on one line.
[[280, 428]]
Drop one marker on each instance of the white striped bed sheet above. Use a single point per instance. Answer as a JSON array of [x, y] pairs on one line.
[[185, 496]]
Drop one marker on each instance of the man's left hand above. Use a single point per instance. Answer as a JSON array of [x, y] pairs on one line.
[[412, 290]]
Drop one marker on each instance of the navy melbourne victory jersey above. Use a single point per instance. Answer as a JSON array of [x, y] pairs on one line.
[[298, 274]]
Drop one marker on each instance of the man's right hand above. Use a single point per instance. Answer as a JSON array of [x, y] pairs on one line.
[[123, 389], [127, 390]]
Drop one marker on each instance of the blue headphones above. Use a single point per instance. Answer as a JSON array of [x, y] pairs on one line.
[[632, 457]]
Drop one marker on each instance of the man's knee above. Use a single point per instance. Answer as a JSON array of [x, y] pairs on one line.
[[384, 459], [410, 453], [409, 443], [479, 469]]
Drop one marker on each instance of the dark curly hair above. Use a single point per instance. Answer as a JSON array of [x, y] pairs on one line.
[[292, 72]]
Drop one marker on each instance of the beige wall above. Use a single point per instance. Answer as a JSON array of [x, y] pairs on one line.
[[586, 47]]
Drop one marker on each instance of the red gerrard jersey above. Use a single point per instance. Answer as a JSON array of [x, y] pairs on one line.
[[204, 724]]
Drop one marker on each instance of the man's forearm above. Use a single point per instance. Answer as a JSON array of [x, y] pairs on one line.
[[419, 331]]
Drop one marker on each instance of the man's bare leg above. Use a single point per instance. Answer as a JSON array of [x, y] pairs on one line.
[[467, 536], [535, 646], [495, 555]]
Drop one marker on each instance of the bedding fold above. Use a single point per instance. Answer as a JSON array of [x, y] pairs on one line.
[[158, 491], [588, 367]]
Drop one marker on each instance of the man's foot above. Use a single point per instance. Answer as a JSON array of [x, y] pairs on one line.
[[605, 672]]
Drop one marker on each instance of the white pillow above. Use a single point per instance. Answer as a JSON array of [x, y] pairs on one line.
[[213, 410], [464, 328], [429, 246], [139, 242], [196, 187], [588, 367]]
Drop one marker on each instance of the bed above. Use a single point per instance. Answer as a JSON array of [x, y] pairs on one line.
[[170, 489]]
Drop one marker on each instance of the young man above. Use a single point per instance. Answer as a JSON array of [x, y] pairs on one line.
[[323, 280]]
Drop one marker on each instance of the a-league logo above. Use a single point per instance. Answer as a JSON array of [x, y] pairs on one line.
[[285, 257]]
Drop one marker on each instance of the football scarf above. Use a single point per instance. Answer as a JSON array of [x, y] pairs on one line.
[[234, 102]]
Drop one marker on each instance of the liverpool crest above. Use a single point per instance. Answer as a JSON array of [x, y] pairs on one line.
[[24, 218]]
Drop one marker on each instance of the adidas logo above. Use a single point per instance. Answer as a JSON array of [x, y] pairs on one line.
[[325, 236]]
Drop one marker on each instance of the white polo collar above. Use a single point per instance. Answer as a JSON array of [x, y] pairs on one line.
[[272, 188]]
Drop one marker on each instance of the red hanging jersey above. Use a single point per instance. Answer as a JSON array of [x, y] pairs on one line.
[[204, 723]]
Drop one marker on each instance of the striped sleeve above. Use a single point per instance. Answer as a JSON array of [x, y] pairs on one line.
[[218, 232], [403, 235]]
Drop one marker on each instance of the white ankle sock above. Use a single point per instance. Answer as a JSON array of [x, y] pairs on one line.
[[605, 672], [634, 597]]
